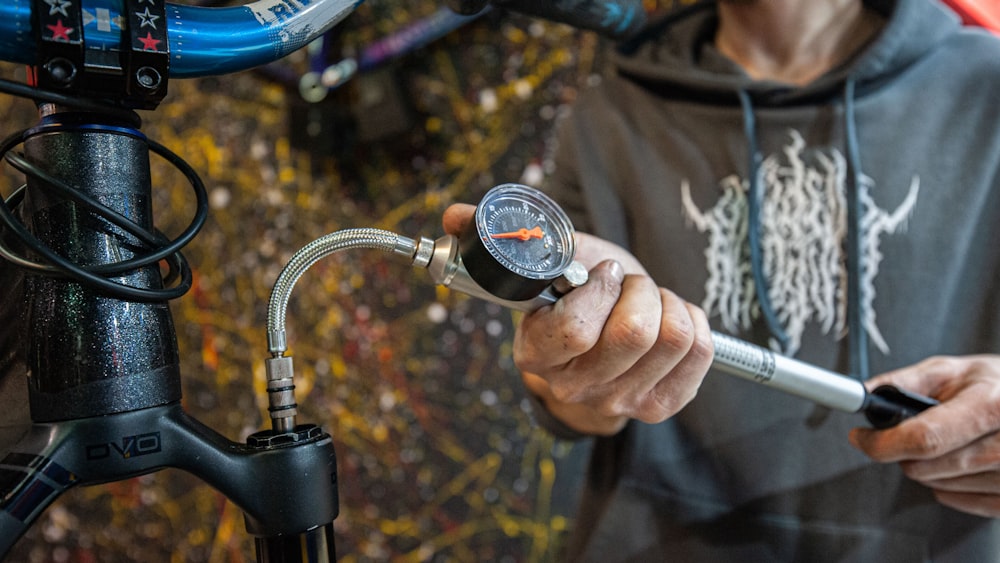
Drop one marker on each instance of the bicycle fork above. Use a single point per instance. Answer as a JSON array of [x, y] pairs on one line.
[[101, 367]]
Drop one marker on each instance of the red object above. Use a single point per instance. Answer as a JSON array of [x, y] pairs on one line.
[[984, 13]]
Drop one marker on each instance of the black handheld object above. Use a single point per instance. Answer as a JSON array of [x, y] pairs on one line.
[[467, 7], [616, 19], [887, 405]]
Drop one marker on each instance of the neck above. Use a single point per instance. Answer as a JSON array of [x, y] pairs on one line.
[[792, 41]]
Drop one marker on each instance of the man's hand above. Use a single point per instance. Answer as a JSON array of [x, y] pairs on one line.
[[954, 447], [619, 347]]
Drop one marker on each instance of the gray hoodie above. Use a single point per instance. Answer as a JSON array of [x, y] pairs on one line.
[[853, 223]]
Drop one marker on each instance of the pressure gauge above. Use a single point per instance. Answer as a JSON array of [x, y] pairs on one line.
[[519, 242]]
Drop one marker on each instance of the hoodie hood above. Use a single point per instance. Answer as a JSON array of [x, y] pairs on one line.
[[677, 53]]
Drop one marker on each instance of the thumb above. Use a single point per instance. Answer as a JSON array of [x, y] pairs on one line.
[[456, 217], [925, 378]]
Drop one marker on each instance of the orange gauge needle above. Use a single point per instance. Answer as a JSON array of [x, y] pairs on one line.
[[522, 234]]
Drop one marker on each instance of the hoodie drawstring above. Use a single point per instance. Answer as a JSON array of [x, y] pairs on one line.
[[857, 333], [755, 198]]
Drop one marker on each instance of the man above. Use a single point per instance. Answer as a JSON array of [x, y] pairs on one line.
[[820, 176]]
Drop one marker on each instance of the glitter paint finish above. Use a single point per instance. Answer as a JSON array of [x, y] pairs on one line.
[[94, 354]]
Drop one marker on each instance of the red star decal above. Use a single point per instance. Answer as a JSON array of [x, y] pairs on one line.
[[59, 31], [148, 42]]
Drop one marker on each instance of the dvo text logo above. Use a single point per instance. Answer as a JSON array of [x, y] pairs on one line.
[[131, 446]]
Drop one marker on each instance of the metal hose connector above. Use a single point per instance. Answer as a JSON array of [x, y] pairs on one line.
[[311, 253]]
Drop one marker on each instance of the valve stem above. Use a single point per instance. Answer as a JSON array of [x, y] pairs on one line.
[[281, 393]]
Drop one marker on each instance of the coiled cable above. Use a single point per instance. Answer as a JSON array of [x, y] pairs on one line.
[[97, 276]]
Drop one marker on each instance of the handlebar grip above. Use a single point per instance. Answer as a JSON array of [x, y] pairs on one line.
[[467, 7], [616, 19], [203, 41]]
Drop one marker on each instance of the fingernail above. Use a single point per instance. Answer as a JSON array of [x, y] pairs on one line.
[[616, 270]]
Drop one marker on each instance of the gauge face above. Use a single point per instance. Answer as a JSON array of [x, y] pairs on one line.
[[525, 231], [519, 242]]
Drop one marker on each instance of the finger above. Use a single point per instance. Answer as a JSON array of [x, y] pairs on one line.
[[970, 409], [668, 376], [986, 482], [978, 458], [935, 432], [673, 393], [985, 505], [456, 217], [928, 377], [630, 333], [932, 433], [552, 336], [591, 250]]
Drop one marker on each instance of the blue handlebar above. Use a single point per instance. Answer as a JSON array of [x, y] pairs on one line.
[[213, 41], [206, 41], [203, 41], [16, 42]]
